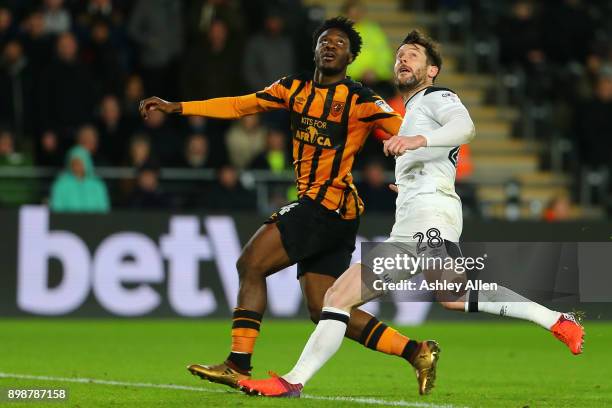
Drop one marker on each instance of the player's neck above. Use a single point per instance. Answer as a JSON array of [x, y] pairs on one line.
[[411, 92], [322, 79]]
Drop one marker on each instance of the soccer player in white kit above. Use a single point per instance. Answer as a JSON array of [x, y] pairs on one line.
[[435, 125]]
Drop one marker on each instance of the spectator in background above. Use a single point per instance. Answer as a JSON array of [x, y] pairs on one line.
[[165, 141], [196, 124], [139, 155], [8, 155], [558, 209], [204, 62], [13, 192], [78, 189], [7, 29], [261, 67], [376, 58], [102, 57], [275, 157], [156, 26], [148, 194], [522, 45], [17, 85], [374, 189], [133, 94], [198, 154], [67, 90], [48, 151], [87, 138], [202, 13], [57, 18], [245, 140], [37, 43], [521, 39], [593, 128], [227, 193], [139, 151], [113, 130]]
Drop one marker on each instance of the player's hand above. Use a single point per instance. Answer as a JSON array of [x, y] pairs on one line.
[[398, 145], [154, 103], [393, 187]]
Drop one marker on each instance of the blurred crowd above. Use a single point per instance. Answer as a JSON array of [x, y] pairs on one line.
[[73, 71], [563, 51]]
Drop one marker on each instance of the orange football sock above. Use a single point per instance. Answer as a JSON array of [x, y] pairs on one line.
[[380, 337], [245, 329]]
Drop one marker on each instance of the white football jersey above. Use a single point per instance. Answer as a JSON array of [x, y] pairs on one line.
[[438, 114]]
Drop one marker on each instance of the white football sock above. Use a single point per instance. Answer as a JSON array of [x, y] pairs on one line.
[[322, 345], [504, 302]]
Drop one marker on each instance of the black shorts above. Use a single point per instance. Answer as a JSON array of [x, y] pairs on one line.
[[315, 238]]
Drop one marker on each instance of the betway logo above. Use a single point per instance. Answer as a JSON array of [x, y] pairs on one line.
[[137, 260]]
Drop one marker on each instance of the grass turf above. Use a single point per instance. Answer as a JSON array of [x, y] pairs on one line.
[[505, 364]]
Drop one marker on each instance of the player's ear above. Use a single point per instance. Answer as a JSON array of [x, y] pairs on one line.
[[351, 58], [432, 71]]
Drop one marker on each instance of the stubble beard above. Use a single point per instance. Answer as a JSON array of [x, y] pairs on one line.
[[416, 81]]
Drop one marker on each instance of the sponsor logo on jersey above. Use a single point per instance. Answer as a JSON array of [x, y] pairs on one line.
[[450, 97], [384, 106], [312, 131], [284, 210]]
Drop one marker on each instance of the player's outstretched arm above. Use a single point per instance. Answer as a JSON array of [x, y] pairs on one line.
[[219, 108], [273, 97]]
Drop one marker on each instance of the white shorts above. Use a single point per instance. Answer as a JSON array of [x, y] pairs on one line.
[[425, 211]]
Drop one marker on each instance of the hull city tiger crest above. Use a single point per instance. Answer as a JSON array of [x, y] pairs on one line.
[[337, 108]]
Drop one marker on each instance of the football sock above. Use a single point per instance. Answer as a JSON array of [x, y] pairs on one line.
[[504, 302], [378, 336], [321, 346], [245, 329]]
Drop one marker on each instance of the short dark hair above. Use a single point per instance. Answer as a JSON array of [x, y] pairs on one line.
[[345, 25], [431, 47]]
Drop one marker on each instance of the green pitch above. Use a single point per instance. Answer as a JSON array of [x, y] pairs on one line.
[[482, 364]]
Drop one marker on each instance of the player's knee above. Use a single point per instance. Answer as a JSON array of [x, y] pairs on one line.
[[333, 298], [248, 267]]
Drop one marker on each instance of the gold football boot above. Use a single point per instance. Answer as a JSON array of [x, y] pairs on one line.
[[220, 373], [424, 364]]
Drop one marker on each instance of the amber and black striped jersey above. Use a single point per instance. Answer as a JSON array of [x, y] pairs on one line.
[[329, 124]]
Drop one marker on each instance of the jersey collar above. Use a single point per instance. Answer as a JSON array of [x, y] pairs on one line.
[[346, 80], [422, 90]]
